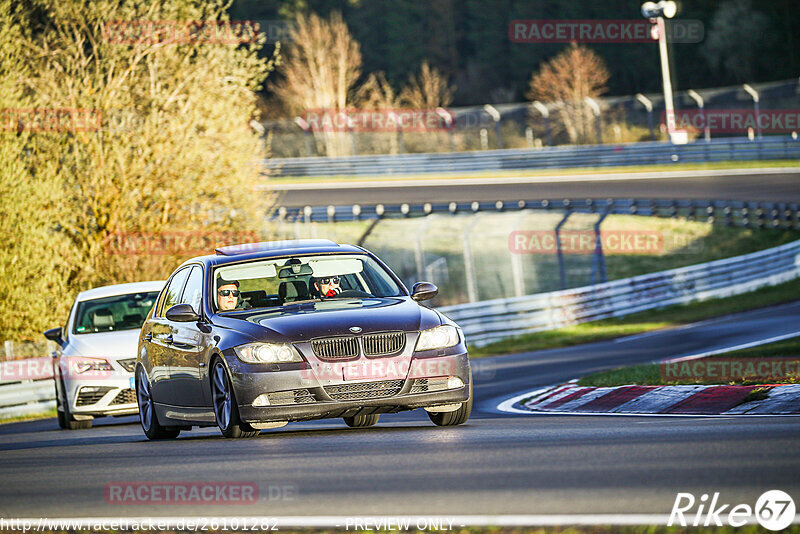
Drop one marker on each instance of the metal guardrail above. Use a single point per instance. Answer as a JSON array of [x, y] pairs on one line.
[[607, 155], [729, 212], [26, 387], [487, 321]]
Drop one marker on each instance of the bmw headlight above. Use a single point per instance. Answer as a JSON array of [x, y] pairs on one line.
[[267, 353], [440, 337]]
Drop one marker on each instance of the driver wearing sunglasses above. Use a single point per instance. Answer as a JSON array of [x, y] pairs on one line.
[[227, 295], [328, 286]]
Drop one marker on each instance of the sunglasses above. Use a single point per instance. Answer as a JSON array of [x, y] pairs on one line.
[[331, 280], [228, 292]]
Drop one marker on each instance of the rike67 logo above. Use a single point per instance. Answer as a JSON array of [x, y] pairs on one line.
[[774, 510]]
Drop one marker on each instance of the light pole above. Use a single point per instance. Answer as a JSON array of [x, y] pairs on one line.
[[495, 115], [648, 105], [754, 94], [656, 13], [701, 104], [541, 108], [448, 120], [592, 103]]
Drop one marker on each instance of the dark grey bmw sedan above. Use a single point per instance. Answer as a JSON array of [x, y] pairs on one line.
[[259, 335]]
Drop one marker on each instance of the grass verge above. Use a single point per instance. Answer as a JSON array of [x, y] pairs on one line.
[[31, 417], [638, 323], [719, 165], [650, 374]]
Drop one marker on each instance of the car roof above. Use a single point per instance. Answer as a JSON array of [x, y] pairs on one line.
[[121, 289], [273, 249]]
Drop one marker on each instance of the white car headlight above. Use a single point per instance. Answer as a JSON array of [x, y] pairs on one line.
[[267, 353], [440, 337], [84, 365]]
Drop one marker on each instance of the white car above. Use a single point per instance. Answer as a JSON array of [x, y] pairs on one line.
[[96, 355]]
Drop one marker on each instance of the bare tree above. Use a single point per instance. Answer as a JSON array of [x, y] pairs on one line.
[[565, 81], [320, 71], [378, 94], [427, 90]]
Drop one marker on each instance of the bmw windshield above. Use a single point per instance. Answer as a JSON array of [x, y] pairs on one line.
[[288, 280]]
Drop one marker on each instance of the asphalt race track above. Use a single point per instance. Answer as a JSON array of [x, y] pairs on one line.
[[715, 185], [497, 463]]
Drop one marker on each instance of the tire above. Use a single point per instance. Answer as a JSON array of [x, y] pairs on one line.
[[226, 409], [62, 421], [147, 413], [65, 419], [457, 417], [361, 421]]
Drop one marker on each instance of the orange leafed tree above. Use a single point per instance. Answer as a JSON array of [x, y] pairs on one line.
[[565, 81]]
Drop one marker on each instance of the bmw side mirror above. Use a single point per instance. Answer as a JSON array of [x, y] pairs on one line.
[[54, 334], [424, 291], [182, 313]]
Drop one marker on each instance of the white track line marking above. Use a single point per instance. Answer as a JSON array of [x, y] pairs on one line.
[[735, 347]]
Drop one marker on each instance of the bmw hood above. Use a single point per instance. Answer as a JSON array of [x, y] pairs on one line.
[[304, 321]]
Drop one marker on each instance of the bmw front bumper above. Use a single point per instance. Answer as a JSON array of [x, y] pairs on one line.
[[301, 393]]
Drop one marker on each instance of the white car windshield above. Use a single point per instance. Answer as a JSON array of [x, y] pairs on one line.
[[109, 314], [288, 280]]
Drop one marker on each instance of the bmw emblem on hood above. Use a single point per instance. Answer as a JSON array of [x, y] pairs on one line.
[[355, 329]]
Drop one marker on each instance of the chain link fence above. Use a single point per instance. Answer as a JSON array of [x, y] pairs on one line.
[[623, 119]]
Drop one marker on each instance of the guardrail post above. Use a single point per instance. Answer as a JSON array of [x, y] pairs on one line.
[[419, 251], [516, 261], [599, 259], [562, 273], [469, 266], [648, 105]]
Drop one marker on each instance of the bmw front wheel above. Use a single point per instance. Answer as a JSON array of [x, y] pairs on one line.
[[147, 413], [226, 409]]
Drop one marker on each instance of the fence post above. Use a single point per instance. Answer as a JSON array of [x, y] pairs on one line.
[[469, 266], [9, 349], [599, 259], [562, 273], [419, 251], [516, 261]]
